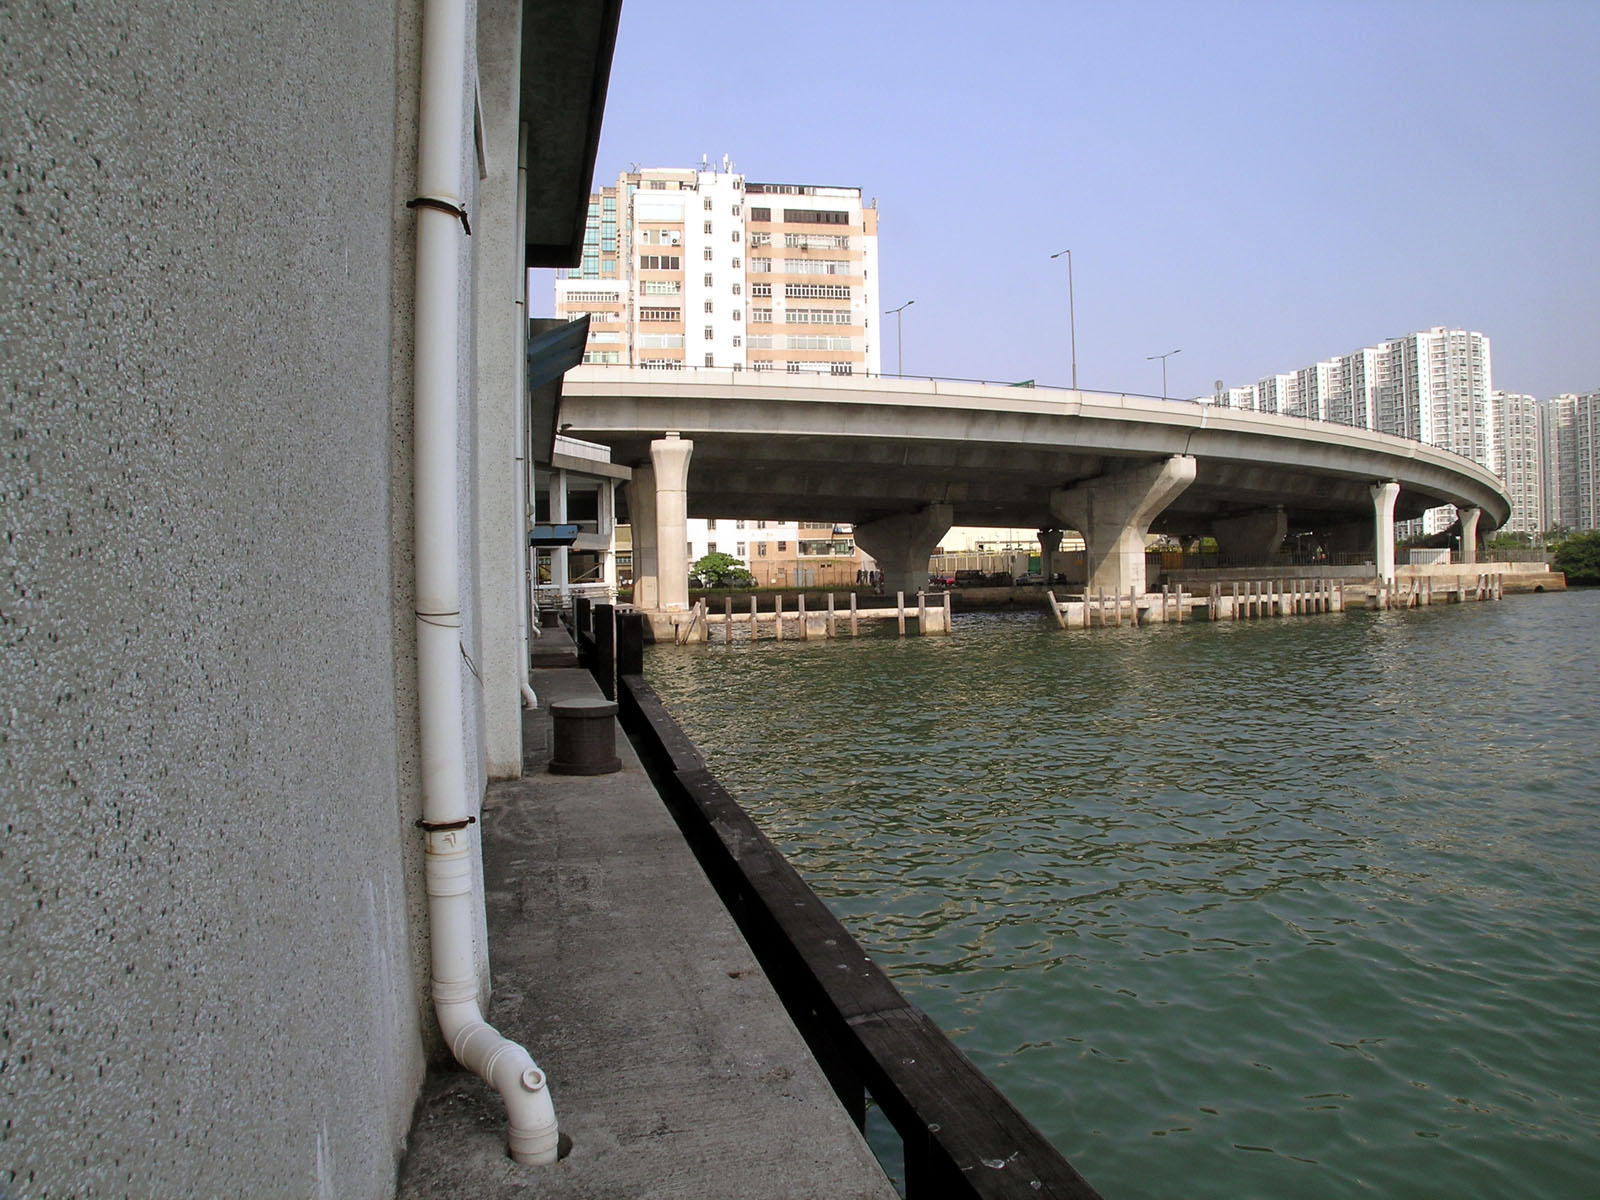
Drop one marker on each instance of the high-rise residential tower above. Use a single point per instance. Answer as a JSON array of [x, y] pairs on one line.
[[1570, 432], [1518, 458], [1432, 386], [704, 268]]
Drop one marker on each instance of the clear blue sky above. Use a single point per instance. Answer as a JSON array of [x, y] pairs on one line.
[[1259, 184]]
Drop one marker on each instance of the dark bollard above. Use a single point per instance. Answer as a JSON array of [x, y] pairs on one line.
[[630, 643], [581, 635], [604, 664], [585, 738]]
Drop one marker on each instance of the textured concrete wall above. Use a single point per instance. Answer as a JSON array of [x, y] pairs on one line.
[[209, 933], [500, 358]]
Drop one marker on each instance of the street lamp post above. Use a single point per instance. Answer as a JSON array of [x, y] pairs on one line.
[[1072, 316], [899, 338], [1163, 358]]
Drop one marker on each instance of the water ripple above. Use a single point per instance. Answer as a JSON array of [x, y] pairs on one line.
[[1294, 907]]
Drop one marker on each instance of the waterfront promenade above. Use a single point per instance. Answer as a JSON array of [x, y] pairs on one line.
[[673, 1066]]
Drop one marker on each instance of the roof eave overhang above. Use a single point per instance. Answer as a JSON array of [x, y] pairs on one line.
[[566, 68]]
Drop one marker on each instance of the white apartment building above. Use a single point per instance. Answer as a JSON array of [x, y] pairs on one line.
[[1518, 458], [1570, 436], [687, 268], [1432, 386]]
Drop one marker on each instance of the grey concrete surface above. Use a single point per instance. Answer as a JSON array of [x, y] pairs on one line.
[[673, 1067], [847, 448], [552, 649], [211, 976]]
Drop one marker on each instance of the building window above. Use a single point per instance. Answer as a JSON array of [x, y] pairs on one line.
[[736, 235], [660, 314], [708, 306], [737, 341], [761, 214], [737, 313], [708, 279], [660, 262], [761, 549], [761, 289], [708, 363], [708, 254], [812, 216], [705, 227], [710, 333], [737, 288], [817, 316], [736, 210], [782, 546], [736, 264], [816, 291], [817, 266], [739, 549], [708, 204]]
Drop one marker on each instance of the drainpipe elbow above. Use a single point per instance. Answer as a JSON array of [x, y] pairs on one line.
[[533, 1135]]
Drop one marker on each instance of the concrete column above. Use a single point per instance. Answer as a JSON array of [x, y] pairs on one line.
[[1469, 534], [1114, 514], [642, 519], [1383, 498], [560, 575], [608, 528], [903, 543], [1049, 543], [670, 457], [1250, 539]]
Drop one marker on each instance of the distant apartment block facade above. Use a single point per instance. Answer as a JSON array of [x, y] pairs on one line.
[[1569, 425], [1433, 386], [782, 553], [703, 268], [1518, 459]]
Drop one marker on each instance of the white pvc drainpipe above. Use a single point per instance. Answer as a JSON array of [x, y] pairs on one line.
[[446, 814]]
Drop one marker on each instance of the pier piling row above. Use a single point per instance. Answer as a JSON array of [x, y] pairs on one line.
[[930, 615], [1252, 600]]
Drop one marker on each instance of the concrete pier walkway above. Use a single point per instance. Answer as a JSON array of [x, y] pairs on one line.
[[673, 1066]]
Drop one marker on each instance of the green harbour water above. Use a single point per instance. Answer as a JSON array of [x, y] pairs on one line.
[[1302, 907]]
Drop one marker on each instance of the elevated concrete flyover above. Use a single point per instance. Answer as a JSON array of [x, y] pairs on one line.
[[906, 459]]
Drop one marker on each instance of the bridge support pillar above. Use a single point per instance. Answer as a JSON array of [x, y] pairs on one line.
[[1049, 543], [1383, 498], [1250, 539], [670, 458], [642, 518], [903, 543], [1469, 534], [1114, 513]]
